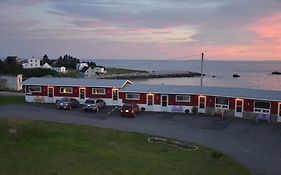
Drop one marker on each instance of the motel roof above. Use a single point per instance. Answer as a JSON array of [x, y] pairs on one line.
[[43, 81], [208, 91]]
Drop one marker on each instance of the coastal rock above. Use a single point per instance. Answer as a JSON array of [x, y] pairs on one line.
[[276, 73], [235, 75]]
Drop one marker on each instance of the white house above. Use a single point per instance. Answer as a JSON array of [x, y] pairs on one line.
[[31, 63], [46, 66], [59, 69], [99, 70], [12, 82], [88, 72], [80, 66]]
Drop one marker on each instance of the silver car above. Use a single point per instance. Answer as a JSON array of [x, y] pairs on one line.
[[67, 103], [92, 104]]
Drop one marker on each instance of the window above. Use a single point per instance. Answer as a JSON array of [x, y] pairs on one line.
[[222, 103], [131, 96], [66, 90], [98, 91], [182, 98], [34, 89], [262, 107]]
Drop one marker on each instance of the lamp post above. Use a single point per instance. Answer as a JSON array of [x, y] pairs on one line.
[[201, 78]]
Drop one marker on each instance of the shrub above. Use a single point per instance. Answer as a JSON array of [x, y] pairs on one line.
[[216, 155], [194, 109]]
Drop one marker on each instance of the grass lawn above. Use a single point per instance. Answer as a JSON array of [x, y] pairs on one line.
[[112, 70], [11, 99], [61, 149]]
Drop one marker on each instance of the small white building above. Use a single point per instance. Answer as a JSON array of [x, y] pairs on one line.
[[100, 70], [59, 69], [31, 63], [46, 66], [88, 72], [11, 82], [80, 66]]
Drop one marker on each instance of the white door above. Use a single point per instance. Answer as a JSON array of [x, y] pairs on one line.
[[82, 94], [51, 94], [164, 102], [239, 108], [150, 102], [279, 113], [201, 104], [115, 96]]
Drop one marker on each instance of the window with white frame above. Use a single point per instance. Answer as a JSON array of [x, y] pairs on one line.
[[182, 98], [66, 90], [100, 91], [132, 96], [34, 89], [262, 107], [222, 103]]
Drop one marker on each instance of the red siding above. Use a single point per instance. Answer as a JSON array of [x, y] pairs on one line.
[[248, 105], [274, 107], [157, 99], [210, 101], [231, 103], [142, 99], [75, 92], [44, 91], [108, 93], [193, 101]]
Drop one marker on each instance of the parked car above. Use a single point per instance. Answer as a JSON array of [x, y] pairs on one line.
[[92, 104], [130, 110], [67, 103]]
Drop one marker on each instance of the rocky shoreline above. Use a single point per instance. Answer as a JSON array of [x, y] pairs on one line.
[[154, 74]]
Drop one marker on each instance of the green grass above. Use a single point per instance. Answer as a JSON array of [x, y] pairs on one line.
[[11, 99], [61, 149], [111, 71]]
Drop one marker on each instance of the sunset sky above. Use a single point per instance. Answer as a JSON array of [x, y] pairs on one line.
[[142, 29]]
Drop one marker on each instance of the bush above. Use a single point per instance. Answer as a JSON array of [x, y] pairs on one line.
[[194, 109], [216, 155], [38, 72]]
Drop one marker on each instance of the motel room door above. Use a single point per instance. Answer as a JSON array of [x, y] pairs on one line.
[[164, 102], [279, 113], [150, 102], [51, 94], [115, 97], [201, 104], [239, 108], [82, 94]]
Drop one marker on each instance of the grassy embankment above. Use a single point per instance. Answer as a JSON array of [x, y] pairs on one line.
[[114, 71], [36, 147], [11, 99]]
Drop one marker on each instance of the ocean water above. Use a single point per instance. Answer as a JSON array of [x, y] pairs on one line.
[[254, 74]]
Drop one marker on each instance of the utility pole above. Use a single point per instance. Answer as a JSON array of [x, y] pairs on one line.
[[201, 80]]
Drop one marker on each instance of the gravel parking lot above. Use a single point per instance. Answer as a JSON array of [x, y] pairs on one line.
[[256, 145]]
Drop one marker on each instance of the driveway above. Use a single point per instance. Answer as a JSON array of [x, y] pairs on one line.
[[256, 145]]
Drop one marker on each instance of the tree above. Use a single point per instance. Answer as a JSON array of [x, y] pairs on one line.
[[92, 64], [12, 65], [46, 60], [2, 67], [67, 61]]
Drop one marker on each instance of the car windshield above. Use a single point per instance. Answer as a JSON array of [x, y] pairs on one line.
[[64, 99], [90, 101], [127, 106]]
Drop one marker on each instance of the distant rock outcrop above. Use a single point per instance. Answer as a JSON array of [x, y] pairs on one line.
[[276, 73], [235, 75]]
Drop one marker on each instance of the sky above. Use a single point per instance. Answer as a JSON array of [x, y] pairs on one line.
[[142, 29]]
